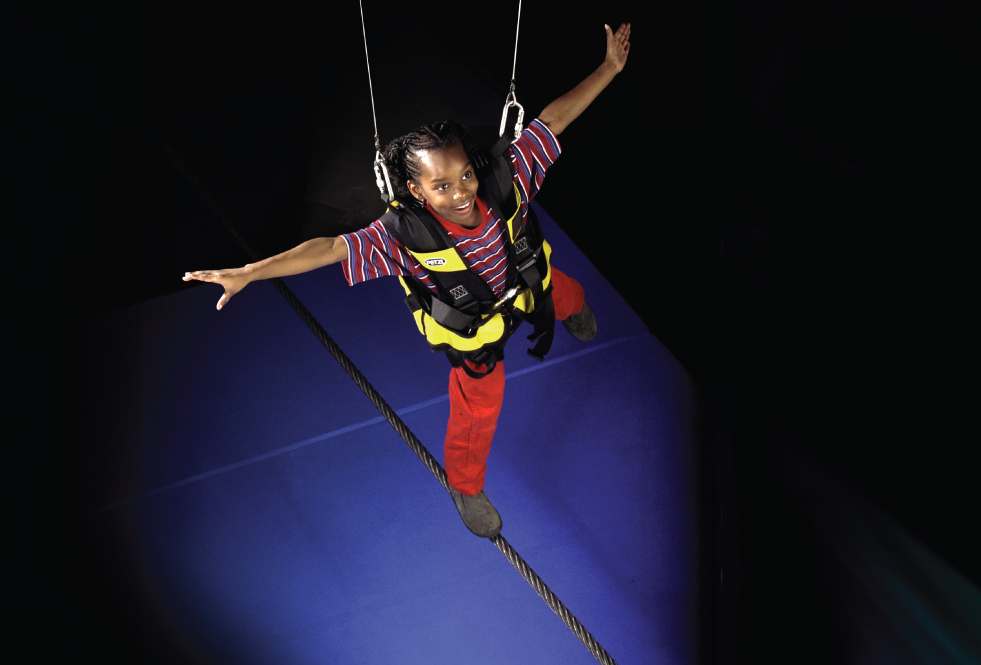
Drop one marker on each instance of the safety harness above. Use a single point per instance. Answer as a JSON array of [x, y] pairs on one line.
[[464, 318]]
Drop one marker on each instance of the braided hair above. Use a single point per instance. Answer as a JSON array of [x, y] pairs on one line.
[[402, 154]]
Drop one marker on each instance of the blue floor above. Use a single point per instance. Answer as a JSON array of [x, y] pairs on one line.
[[272, 516]]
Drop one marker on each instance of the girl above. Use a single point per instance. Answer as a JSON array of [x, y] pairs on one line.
[[472, 261]]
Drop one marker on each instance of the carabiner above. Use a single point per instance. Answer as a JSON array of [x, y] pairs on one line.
[[509, 102], [382, 180]]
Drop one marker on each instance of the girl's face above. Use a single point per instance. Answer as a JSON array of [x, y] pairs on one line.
[[449, 184]]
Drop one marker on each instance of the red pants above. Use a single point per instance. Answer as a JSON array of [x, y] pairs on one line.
[[475, 404]]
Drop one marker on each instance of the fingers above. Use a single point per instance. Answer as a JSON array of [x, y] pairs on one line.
[[214, 276], [618, 45], [200, 275], [622, 35]]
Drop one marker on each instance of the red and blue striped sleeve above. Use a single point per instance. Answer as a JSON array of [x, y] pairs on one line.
[[373, 252], [531, 155]]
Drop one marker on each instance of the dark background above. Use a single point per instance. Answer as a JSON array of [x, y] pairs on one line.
[[783, 191]]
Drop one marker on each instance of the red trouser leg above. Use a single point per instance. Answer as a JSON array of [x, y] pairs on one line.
[[567, 295], [475, 405]]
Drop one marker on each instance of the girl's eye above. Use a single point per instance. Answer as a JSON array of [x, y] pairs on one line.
[[467, 175], [440, 188]]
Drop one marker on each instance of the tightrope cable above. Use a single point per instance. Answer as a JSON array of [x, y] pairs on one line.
[[393, 419]]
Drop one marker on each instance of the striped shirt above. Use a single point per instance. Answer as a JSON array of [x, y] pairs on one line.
[[372, 252]]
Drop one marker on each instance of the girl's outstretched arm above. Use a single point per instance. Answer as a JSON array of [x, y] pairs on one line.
[[567, 108], [305, 257]]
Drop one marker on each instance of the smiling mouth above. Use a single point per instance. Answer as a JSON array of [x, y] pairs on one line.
[[464, 208]]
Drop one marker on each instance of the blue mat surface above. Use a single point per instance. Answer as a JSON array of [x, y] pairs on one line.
[[272, 516]]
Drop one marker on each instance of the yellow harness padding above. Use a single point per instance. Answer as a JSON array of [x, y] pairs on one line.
[[489, 332], [493, 326]]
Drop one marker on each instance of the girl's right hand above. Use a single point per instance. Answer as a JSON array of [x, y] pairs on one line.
[[232, 280]]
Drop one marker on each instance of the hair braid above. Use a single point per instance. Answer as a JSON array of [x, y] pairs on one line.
[[402, 154]]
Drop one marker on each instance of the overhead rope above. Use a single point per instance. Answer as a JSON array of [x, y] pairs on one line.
[[393, 419], [514, 63], [381, 170], [382, 179], [511, 100]]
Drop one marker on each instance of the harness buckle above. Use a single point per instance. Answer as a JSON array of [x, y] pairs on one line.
[[508, 295], [530, 262]]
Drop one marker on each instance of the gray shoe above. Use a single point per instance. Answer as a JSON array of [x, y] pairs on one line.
[[582, 326], [478, 513]]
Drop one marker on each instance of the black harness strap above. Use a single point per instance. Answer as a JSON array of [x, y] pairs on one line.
[[494, 161], [530, 262]]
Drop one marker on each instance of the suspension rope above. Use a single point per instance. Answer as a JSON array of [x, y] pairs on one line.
[[514, 65], [393, 419], [511, 101], [371, 89], [382, 180]]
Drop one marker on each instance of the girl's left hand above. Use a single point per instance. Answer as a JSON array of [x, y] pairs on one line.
[[618, 46]]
